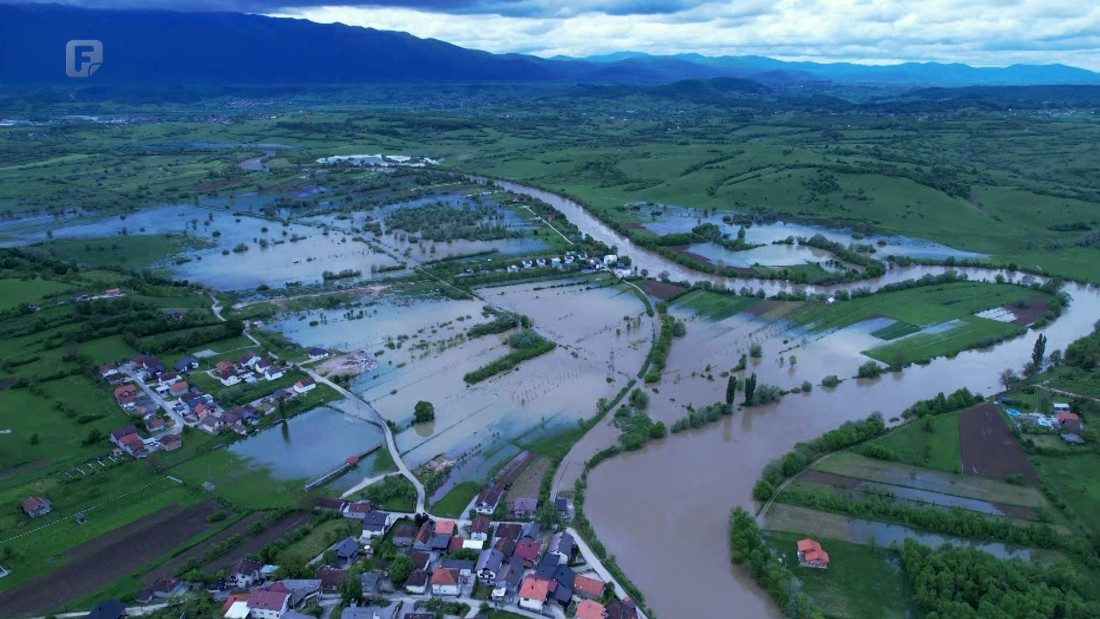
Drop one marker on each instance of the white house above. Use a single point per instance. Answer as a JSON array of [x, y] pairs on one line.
[[269, 602], [375, 524], [417, 582], [445, 581], [610, 259], [243, 573], [533, 592], [304, 385]]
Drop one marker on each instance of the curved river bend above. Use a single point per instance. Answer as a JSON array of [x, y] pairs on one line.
[[663, 511]]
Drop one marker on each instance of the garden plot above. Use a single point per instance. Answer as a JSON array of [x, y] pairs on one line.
[[988, 448], [855, 465]]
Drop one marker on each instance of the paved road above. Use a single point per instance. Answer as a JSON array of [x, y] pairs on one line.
[[157, 399], [373, 416]]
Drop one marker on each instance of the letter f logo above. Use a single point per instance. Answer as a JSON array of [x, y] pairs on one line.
[[83, 57]]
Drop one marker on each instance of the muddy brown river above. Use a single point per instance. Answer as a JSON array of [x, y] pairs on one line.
[[663, 511]]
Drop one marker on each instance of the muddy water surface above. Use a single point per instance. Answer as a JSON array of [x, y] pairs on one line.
[[663, 512], [689, 482]]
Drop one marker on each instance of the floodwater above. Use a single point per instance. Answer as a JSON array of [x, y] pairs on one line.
[[557, 388], [681, 219], [310, 444], [768, 255], [294, 253], [656, 264], [700, 475], [688, 482]]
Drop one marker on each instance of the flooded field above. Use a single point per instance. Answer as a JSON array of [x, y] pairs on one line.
[[308, 445], [701, 474], [656, 264], [246, 251], [884, 535], [424, 353], [556, 388], [665, 219], [768, 255]]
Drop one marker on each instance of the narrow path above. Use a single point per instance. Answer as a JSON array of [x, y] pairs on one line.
[[594, 562], [376, 418], [367, 482], [548, 224], [1066, 393]]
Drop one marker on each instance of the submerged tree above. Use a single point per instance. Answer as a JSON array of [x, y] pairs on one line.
[[731, 389], [423, 412], [1038, 352], [750, 389]]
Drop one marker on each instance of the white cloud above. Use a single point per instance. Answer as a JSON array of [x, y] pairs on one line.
[[980, 32]]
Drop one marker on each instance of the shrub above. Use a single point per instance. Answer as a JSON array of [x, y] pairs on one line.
[[870, 369]]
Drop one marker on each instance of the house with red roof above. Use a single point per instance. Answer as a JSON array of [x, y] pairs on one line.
[[269, 601], [588, 587], [810, 554], [1068, 421], [171, 442], [533, 592], [232, 599], [590, 609], [125, 395], [178, 388], [445, 526], [35, 506], [528, 550], [445, 581]]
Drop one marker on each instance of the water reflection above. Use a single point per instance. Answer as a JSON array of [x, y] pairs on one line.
[[308, 445]]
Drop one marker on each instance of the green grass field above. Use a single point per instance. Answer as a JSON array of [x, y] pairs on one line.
[[896, 330], [1074, 479], [931, 442], [861, 581], [971, 331], [133, 251], [240, 483], [923, 305], [16, 292], [457, 498], [319, 539], [713, 305]]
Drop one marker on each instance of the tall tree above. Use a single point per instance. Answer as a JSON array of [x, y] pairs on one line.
[[1038, 352], [750, 388], [731, 389]]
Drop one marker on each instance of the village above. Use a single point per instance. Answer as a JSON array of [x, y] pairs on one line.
[[437, 567], [163, 403]]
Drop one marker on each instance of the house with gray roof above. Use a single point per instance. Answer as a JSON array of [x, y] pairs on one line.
[[562, 546], [488, 564]]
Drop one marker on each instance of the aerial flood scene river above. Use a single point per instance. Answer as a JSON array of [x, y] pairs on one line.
[[436, 362]]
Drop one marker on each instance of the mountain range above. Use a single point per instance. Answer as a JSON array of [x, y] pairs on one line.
[[167, 47]]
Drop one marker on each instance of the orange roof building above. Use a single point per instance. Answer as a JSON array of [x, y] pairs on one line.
[[590, 609], [587, 586], [810, 554]]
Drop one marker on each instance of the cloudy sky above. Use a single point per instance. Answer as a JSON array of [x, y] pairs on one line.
[[980, 32]]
